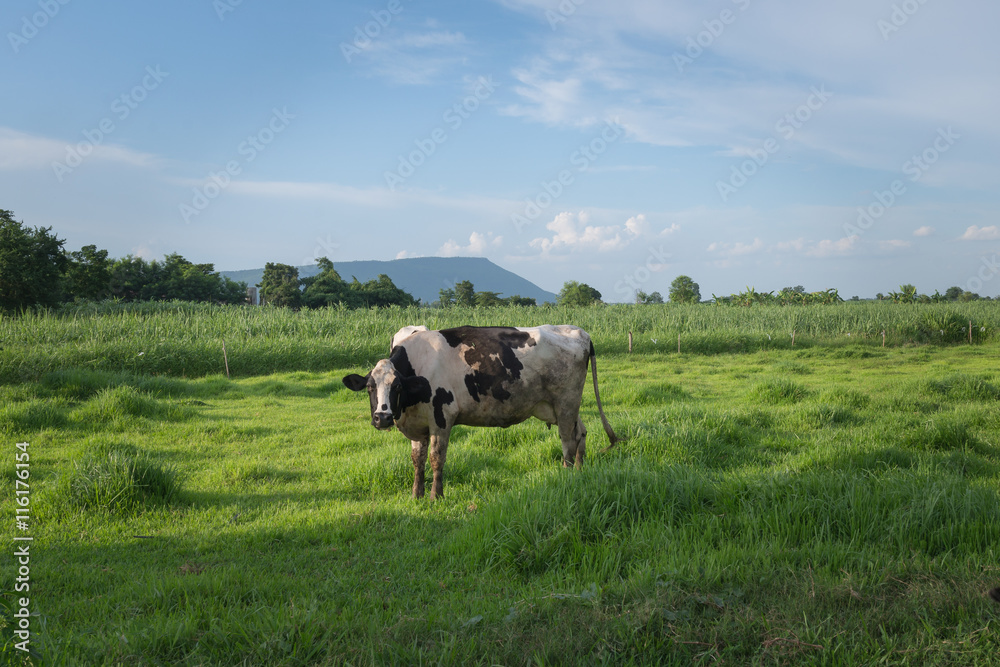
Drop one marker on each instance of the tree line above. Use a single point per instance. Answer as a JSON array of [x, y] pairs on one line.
[[281, 286], [36, 270]]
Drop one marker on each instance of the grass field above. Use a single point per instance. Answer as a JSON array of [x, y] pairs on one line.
[[835, 503]]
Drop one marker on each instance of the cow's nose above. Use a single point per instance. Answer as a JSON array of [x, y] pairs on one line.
[[382, 420]]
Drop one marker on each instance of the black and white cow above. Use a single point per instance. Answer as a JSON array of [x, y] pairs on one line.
[[480, 376]]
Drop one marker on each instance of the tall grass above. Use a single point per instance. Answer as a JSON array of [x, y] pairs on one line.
[[185, 339]]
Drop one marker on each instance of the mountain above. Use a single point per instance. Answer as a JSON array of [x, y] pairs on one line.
[[424, 277]]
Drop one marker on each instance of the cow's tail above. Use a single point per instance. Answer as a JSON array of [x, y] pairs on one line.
[[597, 395]]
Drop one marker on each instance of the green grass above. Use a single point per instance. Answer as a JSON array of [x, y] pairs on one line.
[[832, 504]]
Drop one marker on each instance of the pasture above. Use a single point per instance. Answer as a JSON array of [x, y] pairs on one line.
[[835, 502]]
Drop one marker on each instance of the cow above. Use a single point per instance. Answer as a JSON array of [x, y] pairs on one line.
[[480, 376]]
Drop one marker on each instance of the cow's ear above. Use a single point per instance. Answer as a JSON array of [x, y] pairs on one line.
[[355, 382]]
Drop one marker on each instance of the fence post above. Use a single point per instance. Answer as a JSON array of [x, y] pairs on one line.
[[225, 358], [970, 332], [678, 343], [630, 342]]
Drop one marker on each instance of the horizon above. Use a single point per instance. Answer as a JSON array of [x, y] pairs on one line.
[[747, 143]]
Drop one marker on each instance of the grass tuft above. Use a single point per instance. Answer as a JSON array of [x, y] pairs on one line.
[[777, 391], [115, 478], [31, 416]]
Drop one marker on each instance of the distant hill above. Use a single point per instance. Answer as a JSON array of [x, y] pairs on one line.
[[424, 277]]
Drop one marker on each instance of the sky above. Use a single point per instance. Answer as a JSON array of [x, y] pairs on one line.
[[744, 143]]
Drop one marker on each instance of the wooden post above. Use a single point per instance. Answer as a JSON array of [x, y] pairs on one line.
[[883, 337], [225, 358], [678, 343], [970, 332], [793, 337], [630, 342]]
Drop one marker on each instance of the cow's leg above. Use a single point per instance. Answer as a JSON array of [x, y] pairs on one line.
[[438, 452], [418, 453], [573, 435]]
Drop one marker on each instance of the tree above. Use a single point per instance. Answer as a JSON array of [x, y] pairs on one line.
[[465, 294], [280, 285], [518, 300], [574, 293], [326, 288], [643, 298], [684, 290], [446, 297], [32, 263], [488, 299], [129, 278], [88, 273], [953, 293], [380, 293]]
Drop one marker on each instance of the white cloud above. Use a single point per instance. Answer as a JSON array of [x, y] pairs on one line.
[[926, 230], [19, 150], [893, 245], [822, 248], [975, 233], [828, 248], [637, 225], [573, 233], [733, 93], [478, 244], [737, 249], [548, 100], [415, 58]]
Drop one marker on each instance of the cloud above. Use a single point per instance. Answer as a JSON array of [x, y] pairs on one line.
[[893, 245], [22, 151], [547, 100], [416, 58], [573, 233], [741, 83], [737, 249], [974, 233], [478, 245], [637, 225], [828, 248], [923, 231]]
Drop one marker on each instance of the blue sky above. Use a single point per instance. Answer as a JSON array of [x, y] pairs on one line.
[[741, 142]]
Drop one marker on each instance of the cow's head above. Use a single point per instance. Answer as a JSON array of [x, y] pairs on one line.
[[389, 392]]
